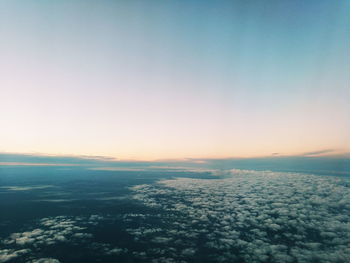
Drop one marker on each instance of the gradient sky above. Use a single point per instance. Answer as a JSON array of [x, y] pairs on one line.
[[174, 79]]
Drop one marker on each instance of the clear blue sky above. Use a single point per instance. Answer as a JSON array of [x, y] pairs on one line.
[[174, 79]]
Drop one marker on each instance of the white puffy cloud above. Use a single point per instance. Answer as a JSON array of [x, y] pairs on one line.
[[47, 232], [115, 251], [9, 254]]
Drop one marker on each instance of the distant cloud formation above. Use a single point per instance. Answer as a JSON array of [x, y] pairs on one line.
[[327, 161], [319, 153]]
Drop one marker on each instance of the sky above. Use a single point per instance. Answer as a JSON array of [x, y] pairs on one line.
[[149, 80]]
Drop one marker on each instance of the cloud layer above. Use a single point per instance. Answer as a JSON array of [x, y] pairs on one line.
[[250, 217]]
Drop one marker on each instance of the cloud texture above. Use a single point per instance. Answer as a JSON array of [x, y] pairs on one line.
[[251, 217]]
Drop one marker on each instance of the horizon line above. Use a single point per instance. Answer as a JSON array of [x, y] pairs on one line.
[[329, 153]]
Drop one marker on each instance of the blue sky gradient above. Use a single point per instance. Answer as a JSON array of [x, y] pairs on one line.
[[174, 79]]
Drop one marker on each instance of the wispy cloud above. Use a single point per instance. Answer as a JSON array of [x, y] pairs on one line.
[[319, 153], [26, 188]]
